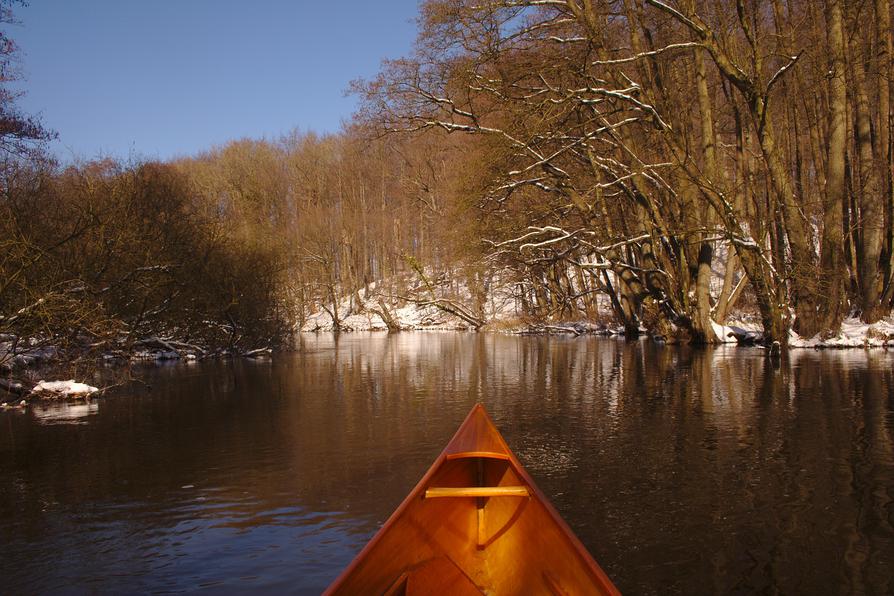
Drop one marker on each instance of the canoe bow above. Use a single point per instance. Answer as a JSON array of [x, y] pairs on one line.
[[475, 524]]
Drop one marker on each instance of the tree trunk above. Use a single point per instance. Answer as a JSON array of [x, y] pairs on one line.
[[869, 197], [701, 321], [886, 127], [832, 264]]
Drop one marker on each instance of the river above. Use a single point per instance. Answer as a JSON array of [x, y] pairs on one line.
[[681, 470]]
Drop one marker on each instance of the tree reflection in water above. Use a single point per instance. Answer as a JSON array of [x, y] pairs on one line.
[[682, 470]]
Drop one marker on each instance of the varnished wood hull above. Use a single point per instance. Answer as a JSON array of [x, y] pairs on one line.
[[475, 524]]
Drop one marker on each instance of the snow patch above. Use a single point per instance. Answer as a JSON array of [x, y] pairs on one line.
[[69, 388]]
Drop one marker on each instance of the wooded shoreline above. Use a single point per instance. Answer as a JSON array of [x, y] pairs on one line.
[[659, 166]]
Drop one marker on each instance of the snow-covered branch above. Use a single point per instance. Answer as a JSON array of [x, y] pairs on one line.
[[641, 55], [781, 72]]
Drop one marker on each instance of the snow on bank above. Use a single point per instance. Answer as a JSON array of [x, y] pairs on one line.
[[503, 312], [367, 310], [69, 388], [409, 316], [854, 333]]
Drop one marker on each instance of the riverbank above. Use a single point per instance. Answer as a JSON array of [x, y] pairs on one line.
[[25, 366], [501, 314], [24, 370]]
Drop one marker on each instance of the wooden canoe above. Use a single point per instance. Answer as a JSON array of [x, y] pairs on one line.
[[475, 524]]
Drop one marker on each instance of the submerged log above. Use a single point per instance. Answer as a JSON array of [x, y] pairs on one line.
[[13, 390]]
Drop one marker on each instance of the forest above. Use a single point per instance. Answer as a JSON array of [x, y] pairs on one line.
[[659, 165]]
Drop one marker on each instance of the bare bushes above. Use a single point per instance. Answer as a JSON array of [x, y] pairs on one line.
[[100, 256]]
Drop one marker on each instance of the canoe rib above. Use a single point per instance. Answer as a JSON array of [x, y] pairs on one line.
[[498, 540]]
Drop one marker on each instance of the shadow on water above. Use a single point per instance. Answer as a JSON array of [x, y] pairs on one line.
[[683, 471]]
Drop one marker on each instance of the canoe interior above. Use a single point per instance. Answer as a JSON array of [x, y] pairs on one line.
[[447, 539]]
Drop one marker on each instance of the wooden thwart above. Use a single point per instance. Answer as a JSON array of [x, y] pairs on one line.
[[477, 491], [477, 454]]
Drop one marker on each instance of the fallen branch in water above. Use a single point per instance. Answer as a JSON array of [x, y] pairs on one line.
[[157, 342], [15, 390]]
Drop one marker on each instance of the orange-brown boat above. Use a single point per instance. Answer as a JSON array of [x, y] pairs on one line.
[[475, 524]]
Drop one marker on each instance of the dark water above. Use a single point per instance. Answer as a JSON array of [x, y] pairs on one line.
[[682, 471]]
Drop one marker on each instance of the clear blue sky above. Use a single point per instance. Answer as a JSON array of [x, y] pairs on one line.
[[167, 78]]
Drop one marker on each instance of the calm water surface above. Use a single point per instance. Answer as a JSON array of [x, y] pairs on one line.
[[682, 471]]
